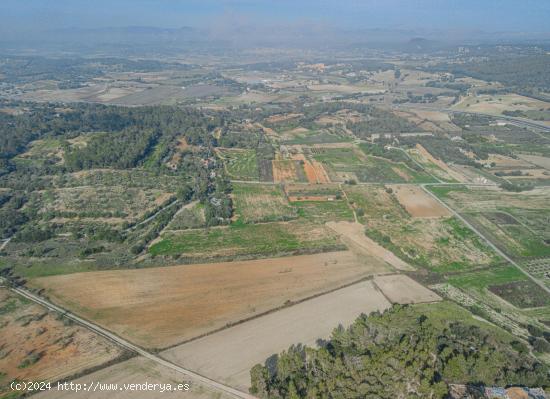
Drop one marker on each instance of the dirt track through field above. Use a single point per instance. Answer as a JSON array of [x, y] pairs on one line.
[[229, 355], [354, 235], [159, 307]]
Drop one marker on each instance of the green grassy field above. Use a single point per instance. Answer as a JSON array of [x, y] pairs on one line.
[[248, 239], [324, 211], [484, 278], [240, 164]]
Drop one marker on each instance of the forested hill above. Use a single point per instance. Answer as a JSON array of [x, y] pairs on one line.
[[407, 352]]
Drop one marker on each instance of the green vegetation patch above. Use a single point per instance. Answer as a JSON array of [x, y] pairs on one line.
[[324, 211], [488, 277], [240, 164], [523, 294], [248, 239]]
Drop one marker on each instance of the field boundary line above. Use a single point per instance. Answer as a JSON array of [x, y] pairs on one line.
[[276, 309]]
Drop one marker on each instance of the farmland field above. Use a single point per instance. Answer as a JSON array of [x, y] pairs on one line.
[[159, 307], [248, 240], [523, 294], [261, 203], [367, 168], [288, 171], [401, 289], [418, 203], [516, 222], [322, 211], [439, 244], [240, 164], [226, 356]]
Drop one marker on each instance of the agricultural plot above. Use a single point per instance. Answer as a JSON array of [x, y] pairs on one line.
[[226, 355], [439, 244], [315, 172], [113, 204], [324, 211], [255, 203], [506, 282], [43, 151], [497, 104], [288, 171], [353, 234], [40, 346], [343, 163], [240, 164], [401, 289], [417, 203], [539, 268], [133, 178], [159, 307], [516, 222], [310, 192], [312, 137], [247, 240]]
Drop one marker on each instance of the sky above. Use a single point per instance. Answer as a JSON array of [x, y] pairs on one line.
[[487, 15]]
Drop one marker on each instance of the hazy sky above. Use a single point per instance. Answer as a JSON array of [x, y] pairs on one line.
[[490, 15]]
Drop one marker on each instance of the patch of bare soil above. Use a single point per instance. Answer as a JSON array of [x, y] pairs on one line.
[[401, 289], [417, 203]]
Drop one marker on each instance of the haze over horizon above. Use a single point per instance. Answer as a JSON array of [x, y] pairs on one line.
[[527, 17]]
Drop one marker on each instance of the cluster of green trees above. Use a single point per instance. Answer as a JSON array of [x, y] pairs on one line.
[[158, 123], [12, 214], [121, 150], [403, 352]]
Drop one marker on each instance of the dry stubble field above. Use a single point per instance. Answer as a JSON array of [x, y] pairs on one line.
[[160, 307], [229, 355]]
